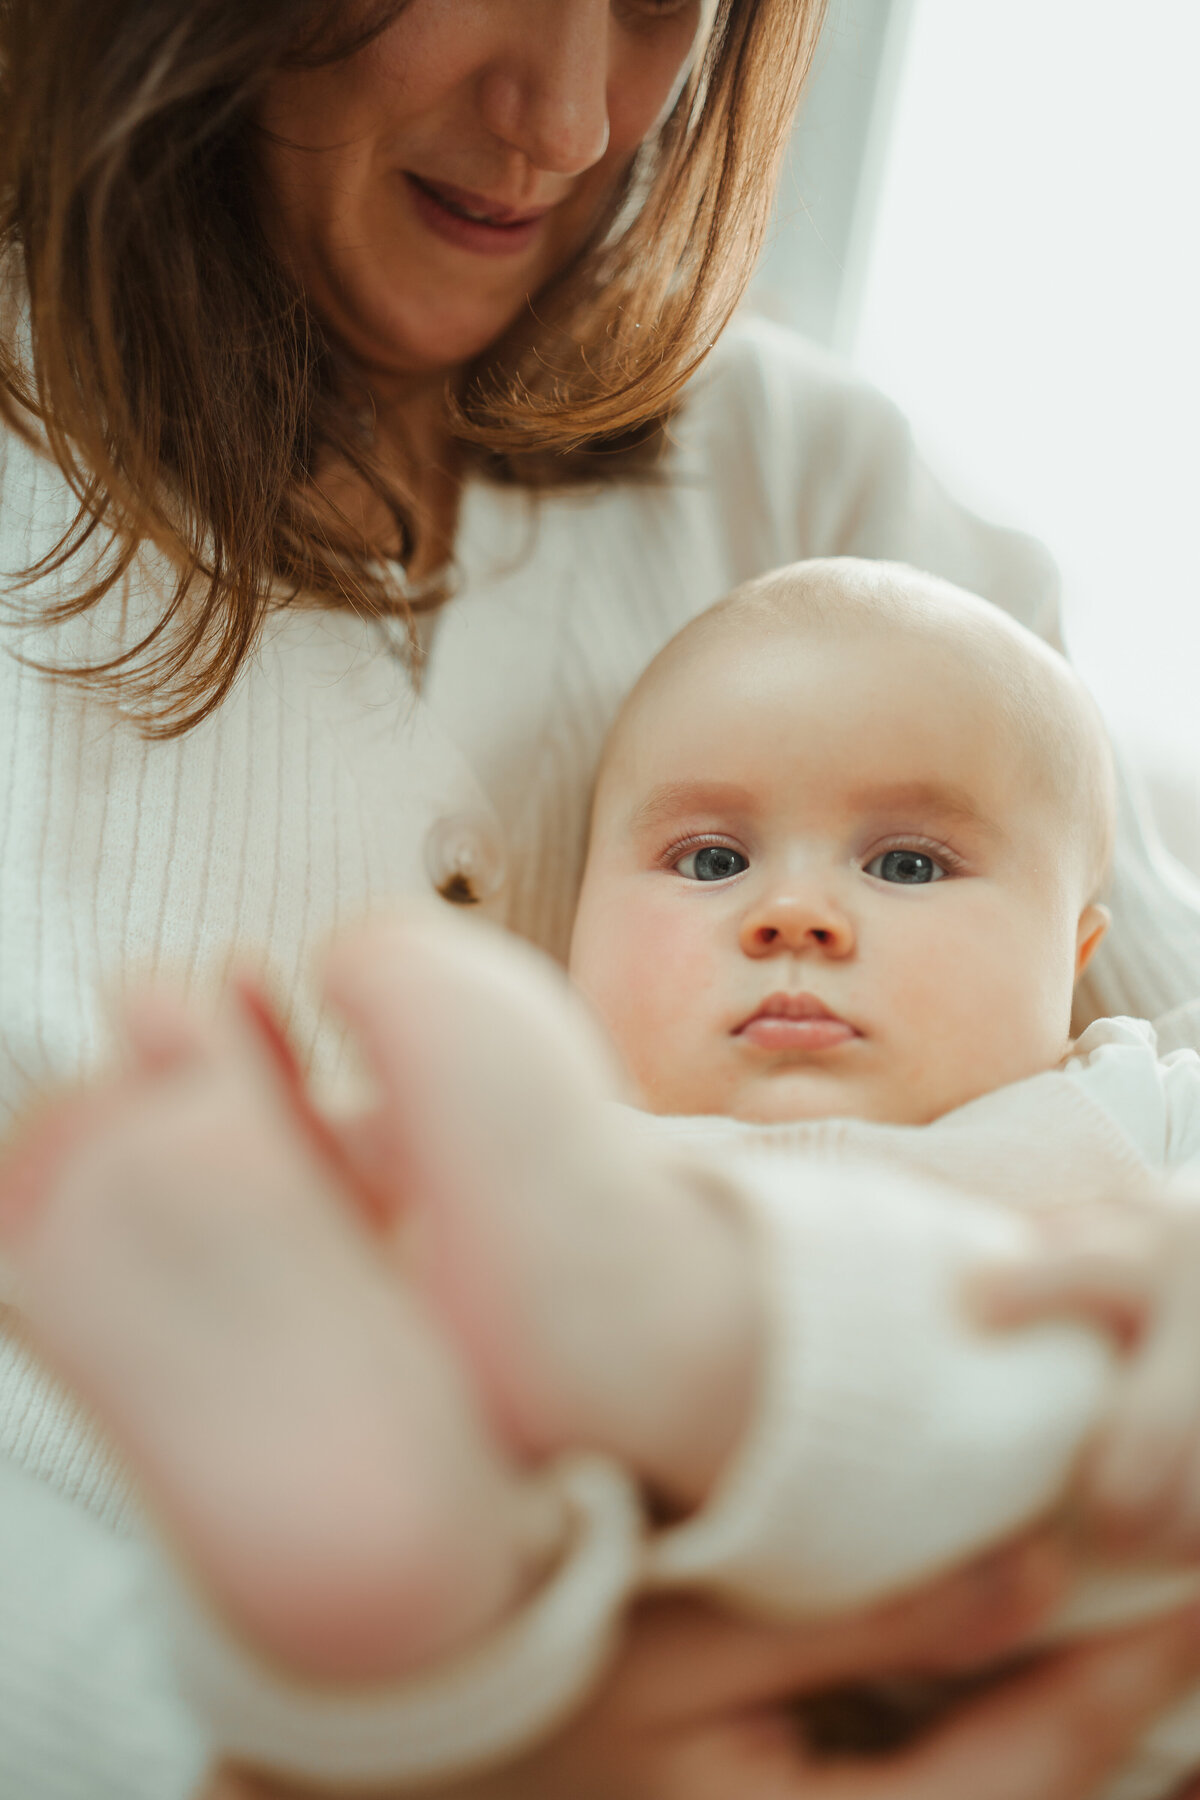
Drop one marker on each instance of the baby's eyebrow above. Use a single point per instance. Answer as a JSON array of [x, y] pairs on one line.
[[950, 804], [672, 798]]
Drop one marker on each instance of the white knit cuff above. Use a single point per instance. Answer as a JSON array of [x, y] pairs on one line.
[[478, 1709], [890, 1437]]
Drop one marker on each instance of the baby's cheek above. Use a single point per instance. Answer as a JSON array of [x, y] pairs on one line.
[[975, 1001], [666, 974], [648, 976]]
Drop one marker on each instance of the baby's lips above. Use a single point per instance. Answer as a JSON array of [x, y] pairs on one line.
[[769, 1031], [795, 1022], [784, 1005]]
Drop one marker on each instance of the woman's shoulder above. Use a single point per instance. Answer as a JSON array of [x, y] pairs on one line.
[[794, 387], [794, 430], [752, 339], [795, 427]]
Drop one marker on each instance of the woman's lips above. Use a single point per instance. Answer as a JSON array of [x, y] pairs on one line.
[[471, 221], [795, 1022]]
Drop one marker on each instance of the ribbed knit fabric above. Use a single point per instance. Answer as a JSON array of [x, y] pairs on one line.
[[88, 1706], [322, 788]]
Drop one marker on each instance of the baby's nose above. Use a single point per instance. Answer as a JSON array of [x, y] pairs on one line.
[[795, 922]]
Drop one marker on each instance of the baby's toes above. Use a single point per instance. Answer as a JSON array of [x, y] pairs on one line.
[[67, 1127], [159, 1031], [35, 1150]]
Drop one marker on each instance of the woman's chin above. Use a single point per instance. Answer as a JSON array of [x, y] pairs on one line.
[[436, 341], [389, 328]]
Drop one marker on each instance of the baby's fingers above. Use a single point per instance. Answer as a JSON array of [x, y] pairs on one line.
[[1102, 1267]]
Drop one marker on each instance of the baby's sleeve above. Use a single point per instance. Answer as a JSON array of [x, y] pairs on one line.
[[1146, 1078], [890, 1438], [1181, 1081]]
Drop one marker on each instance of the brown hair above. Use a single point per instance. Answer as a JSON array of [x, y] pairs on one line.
[[184, 386]]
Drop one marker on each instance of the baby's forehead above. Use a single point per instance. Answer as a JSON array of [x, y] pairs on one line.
[[1014, 693], [758, 649], [855, 615]]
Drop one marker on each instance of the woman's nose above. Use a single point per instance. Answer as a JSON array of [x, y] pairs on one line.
[[546, 95], [790, 920]]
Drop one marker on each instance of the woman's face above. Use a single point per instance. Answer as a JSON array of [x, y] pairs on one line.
[[423, 188]]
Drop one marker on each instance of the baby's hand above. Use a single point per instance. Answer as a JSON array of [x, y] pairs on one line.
[[1133, 1271]]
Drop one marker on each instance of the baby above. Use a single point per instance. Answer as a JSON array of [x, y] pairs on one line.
[[847, 844], [847, 848]]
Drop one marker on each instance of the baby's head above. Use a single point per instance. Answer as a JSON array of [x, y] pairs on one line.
[[847, 842]]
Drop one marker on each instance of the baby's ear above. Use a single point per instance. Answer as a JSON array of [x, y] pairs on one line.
[[1094, 921]]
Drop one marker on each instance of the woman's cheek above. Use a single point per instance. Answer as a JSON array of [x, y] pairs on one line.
[[645, 79]]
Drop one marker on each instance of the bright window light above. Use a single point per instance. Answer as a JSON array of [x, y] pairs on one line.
[[1032, 299]]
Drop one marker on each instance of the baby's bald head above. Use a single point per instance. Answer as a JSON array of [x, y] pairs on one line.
[[845, 849], [1026, 696]]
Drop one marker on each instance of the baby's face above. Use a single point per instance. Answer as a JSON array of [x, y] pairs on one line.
[[822, 883]]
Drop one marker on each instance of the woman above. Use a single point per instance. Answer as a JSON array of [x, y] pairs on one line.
[[322, 315]]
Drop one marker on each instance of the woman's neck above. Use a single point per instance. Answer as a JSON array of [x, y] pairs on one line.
[[412, 435]]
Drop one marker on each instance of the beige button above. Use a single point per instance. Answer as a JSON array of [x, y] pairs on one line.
[[465, 858]]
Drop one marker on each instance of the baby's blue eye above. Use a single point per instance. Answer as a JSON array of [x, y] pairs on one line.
[[715, 862], [911, 868]]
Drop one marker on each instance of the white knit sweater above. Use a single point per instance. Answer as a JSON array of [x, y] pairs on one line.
[[323, 787]]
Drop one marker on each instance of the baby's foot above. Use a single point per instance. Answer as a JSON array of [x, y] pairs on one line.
[[602, 1303], [188, 1262]]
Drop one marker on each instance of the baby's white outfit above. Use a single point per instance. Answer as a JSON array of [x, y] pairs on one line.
[[891, 1437], [862, 1370]]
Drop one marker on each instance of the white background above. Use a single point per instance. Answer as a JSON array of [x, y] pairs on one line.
[[1031, 297]]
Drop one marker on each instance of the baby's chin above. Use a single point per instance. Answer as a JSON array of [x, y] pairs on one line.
[[793, 1096], [794, 1093]]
